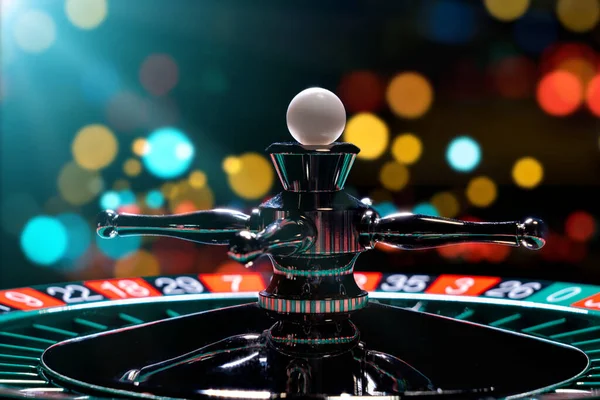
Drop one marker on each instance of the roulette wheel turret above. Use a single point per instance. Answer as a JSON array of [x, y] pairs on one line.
[[314, 332]]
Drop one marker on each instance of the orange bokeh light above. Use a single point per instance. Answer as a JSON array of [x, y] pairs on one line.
[[362, 91], [580, 226], [559, 93], [592, 95]]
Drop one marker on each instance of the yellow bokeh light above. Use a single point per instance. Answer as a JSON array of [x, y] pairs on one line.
[[169, 190], [255, 177], [446, 204], [393, 176], [407, 148], [78, 186], [197, 179], [140, 147], [507, 10], [140, 263], [86, 14], [132, 167], [481, 191], [369, 133], [528, 172], [580, 67], [409, 95], [193, 198], [232, 165], [94, 147], [578, 15], [121, 184]]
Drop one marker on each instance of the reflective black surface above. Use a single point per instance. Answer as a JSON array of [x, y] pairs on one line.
[[453, 355]]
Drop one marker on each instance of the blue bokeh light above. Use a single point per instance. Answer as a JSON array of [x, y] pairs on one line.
[[463, 154], [170, 153], [110, 200], [386, 208], [449, 21], [79, 235], [426, 209], [44, 240], [535, 31], [155, 199], [100, 82], [119, 247], [126, 197]]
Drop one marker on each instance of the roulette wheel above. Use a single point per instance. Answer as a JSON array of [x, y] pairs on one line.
[[315, 328]]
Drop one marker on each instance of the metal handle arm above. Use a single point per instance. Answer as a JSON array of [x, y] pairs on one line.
[[217, 226], [414, 231]]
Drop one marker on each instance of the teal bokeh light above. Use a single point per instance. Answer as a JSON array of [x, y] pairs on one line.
[[386, 208], [155, 199], [426, 209], [463, 154], [170, 153], [118, 247], [110, 200], [44, 240], [79, 235], [126, 197]]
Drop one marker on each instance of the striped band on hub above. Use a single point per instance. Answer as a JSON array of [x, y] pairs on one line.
[[312, 306]]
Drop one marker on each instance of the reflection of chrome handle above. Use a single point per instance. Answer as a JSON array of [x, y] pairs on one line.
[[284, 237], [213, 226], [414, 231]]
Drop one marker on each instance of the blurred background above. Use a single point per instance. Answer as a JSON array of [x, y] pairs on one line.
[[474, 109]]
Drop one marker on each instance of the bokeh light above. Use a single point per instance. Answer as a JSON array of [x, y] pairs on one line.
[[254, 178], [463, 154], [118, 247], [35, 31], [528, 172], [159, 74], [449, 21], [140, 263], [126, 197], [580, 226], [197, 179], [79, 186], [446, 204], [425, 209], [175, 256], [578, 15], [121, 184], [535, 31], [79, 235], [186, 198], [592, 96], [559, 93], [94, 147], [155, 199], [170, 153], [16, 209], [407, 148], [361, 91], [386, 208], [580, 67], [127, 111], [140, 147], [44, 240], [232, 165], [369, 132], [86, 14], [132, 167], [514, 77], [394, 176], [481, 191], [409, 95], [100, 82], [507, 10], [110, 200]]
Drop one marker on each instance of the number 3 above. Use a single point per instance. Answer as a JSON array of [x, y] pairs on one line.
[[463, 286]]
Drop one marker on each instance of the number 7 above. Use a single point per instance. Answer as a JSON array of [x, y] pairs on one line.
[[235, 281]]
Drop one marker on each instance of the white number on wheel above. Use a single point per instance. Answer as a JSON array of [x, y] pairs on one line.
[[4, 309], [126, 287], [73, 293], [592, 304], [563, 294], [463, 285], [235, 280], [402, 283], [179, 285], [514, 290], [29, 301]]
